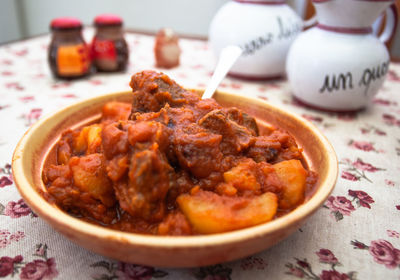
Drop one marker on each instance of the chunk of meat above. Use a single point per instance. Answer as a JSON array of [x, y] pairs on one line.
[[268, 178], [144, 194], [209, 213], [264, 148], [64, 147], [174, 224], [160, 116], [115, 140], [59, 175], [149, 132], [288, 150], [180, 182], [117, 167], [235, 137], [243, 119], [152, 90], [199, 153], [293, 176], [204, 106], [179, 117]]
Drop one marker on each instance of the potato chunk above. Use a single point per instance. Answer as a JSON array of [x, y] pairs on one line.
[[243, 176], [88, 140], [293, 177], [115, 111], [89, 174], [211, 213], [94, 139]]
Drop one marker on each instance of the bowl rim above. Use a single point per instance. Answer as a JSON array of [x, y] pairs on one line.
[[36, 201]]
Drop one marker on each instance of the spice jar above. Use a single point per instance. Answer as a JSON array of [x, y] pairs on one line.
[[68, 53], [166, 49], [109, 48]]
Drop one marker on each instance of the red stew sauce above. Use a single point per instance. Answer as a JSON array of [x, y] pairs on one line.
[[171, 163]]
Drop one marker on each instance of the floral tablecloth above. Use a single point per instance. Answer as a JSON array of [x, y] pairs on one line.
[[355, 235]]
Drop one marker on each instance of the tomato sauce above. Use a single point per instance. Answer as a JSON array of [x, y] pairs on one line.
[[171, 163]]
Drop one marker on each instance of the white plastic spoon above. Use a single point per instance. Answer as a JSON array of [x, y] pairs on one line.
[[226, 60]]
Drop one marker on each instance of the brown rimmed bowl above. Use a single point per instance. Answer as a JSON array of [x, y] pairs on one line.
[[35, 147]]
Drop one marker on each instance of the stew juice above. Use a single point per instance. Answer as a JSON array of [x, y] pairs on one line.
[[171, 163]]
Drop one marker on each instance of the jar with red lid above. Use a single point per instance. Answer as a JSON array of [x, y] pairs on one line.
[[109, 49], [68, 53]]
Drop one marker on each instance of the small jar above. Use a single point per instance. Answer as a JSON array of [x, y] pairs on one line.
[[68, 54], [109, 48], [166, 49]]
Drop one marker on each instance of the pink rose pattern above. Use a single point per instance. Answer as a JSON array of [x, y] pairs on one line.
[[5, 176], [132, 272], [364, 166], [38, 269], [369, 129], [333, 275], [362, 145], [341, 206], [5, 181], [354, 172], [215, 272], [303, 269], [363, 199], [390, 183], [33, 115], [391, 120], [251, 263], [8, 265], [349, 176], [16, 209], [125, 271], [6, 238], [326, 256], [382, 251], [393, 233]]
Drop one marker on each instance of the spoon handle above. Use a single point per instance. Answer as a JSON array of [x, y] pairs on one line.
[[226, 60]]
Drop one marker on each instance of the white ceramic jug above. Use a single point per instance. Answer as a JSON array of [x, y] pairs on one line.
[[340, 64], [263, 29]]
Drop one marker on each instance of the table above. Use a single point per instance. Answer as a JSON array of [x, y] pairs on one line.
[[355, 235]]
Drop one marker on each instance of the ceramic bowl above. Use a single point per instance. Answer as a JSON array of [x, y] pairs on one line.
[[35, 148]]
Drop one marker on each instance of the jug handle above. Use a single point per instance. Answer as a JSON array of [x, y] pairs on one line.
[[391, 23]]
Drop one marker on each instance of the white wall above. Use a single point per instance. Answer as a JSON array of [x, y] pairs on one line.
[[25, 18], [184, 16], [10, 28]]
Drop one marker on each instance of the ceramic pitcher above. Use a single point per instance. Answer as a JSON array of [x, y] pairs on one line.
[[263, 29], [340, 64]]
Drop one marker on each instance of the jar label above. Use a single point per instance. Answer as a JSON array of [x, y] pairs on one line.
[[72, 60], [104, 49]]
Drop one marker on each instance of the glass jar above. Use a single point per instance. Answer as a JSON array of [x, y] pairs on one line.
[[68, 54], [109, 49]]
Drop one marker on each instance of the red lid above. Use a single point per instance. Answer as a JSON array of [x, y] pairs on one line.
[[107, 19], [65, 23]]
